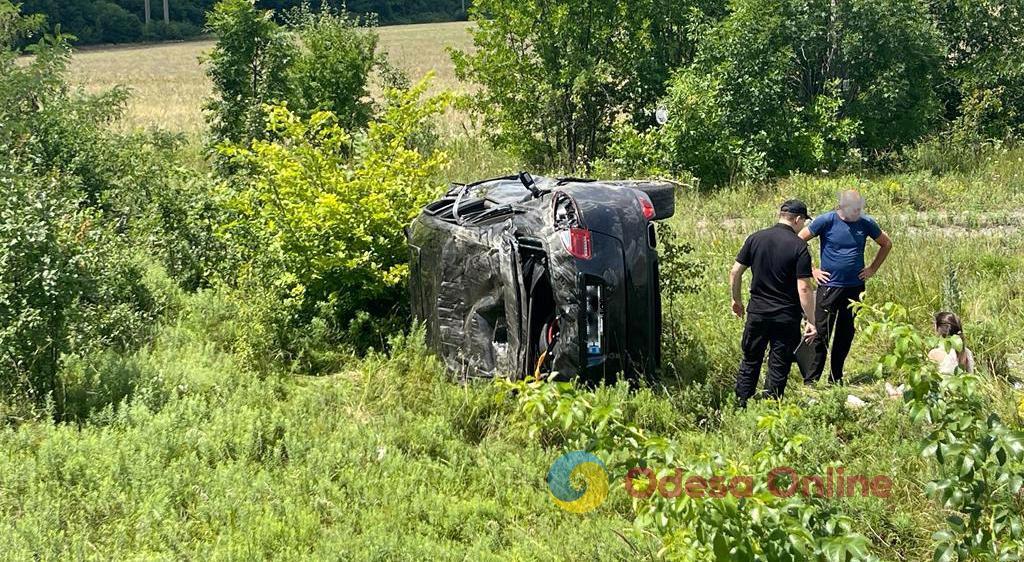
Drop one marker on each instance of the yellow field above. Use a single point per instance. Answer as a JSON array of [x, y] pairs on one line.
[[169, 84]]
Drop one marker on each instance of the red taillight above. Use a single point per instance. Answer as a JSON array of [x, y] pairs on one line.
[[645, 205], [578, 243]]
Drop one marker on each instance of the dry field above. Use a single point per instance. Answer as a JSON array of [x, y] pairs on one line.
[[169, 85]]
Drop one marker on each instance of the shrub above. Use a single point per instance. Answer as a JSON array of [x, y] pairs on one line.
[[788, 85], [320, 62], [332, 68], [67, 285], [318, 212], [248, 68], [79, 202], [555, 76]]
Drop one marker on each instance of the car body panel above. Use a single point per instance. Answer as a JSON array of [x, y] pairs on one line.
[[500, 294]]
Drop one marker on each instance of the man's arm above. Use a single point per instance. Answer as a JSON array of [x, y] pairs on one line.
[[736, 286], [884, 247], [821, 276], [806, 290]]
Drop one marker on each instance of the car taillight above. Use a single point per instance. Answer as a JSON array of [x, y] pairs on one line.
[[645, 205], [577, 242]]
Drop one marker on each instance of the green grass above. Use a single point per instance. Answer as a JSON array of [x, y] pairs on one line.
[[387, 459], [187, 452]]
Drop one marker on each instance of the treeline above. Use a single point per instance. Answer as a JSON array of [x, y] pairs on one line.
[[749, 89], [123, 21]]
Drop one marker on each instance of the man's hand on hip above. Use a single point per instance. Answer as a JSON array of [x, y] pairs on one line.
[[867, 273], [821, 276]]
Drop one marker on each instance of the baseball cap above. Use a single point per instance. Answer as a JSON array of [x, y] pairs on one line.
[[796, 207]]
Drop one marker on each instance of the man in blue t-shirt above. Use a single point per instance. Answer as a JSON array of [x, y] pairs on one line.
[[840, 278]]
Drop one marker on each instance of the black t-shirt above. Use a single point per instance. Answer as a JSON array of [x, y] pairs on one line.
[[777, 257]]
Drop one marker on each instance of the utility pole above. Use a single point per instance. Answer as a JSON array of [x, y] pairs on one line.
[[167, 11], [146, 9]]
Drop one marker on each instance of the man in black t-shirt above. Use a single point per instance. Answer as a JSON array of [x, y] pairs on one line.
[[780, 290]]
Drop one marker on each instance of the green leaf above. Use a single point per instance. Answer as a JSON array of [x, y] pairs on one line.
[[722, 553], [943, 553]]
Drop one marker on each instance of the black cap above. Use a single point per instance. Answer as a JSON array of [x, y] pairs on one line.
[[796, 207]]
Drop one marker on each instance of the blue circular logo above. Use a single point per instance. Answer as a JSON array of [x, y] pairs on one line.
[[591, 482]]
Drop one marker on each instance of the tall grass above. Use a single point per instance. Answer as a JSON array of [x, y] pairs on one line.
[[180, 450]]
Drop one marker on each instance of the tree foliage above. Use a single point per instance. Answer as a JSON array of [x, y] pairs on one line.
[[787, 85], [555, 76], [318, 211], [319, 62], [123, 21], [984, 95]]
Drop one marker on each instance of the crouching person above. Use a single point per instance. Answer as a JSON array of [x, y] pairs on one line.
[[780, 290]]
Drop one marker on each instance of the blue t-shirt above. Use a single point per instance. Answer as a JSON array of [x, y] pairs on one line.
[[842, 246]]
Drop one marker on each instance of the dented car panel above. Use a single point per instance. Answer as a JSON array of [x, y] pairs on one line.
[[517, 276]]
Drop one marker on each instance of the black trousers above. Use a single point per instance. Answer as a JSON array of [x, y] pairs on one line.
[[834, 320], [760, 332]]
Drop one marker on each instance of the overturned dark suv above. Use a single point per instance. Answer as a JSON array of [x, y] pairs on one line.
[[519, 275]]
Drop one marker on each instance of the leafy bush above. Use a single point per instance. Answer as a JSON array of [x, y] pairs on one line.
[[320, 62], [788, 85], [79, 204], [555, 76], [318, 212], [67, 285], [981, 458]]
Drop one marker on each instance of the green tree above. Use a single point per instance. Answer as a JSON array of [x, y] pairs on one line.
[[248, 68], [787, 85], [331, 70], [984, 92], [319, 61], [555, 75]]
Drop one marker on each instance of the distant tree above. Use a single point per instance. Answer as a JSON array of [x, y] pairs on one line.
[[114, 24], [108, 21]]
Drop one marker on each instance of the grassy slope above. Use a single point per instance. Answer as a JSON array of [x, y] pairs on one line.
[[387, 460]]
